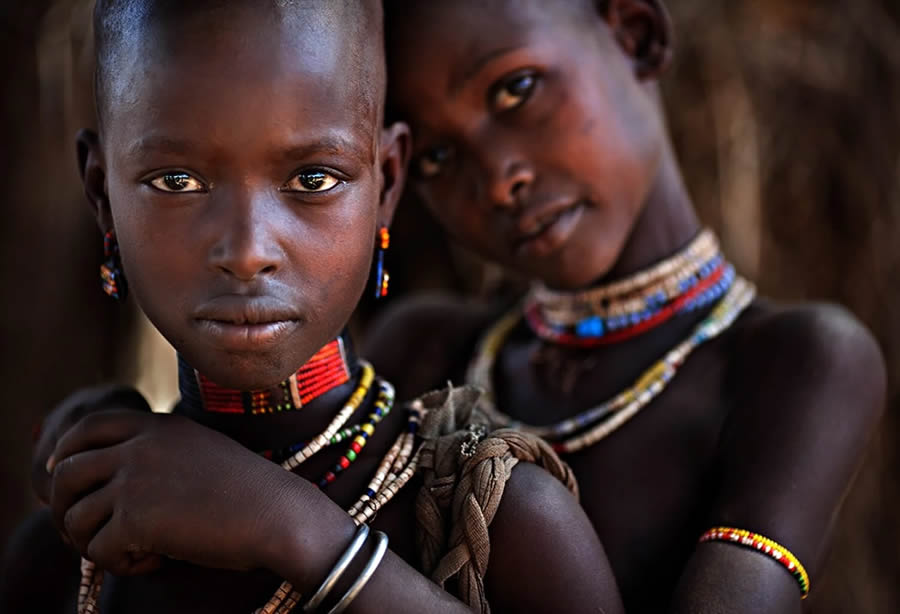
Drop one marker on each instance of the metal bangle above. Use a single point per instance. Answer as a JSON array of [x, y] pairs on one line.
[[366, 575], [339, 568]]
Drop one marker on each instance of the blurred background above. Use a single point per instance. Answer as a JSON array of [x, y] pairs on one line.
[[786, 116]]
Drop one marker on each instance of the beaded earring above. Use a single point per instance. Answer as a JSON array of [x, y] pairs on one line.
[[381, 275], [111, 273]]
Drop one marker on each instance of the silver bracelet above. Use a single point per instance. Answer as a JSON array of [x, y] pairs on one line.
[[339, 568], [366, 575]]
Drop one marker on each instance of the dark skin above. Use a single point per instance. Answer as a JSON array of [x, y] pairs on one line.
[[251, 247], [539, 144]]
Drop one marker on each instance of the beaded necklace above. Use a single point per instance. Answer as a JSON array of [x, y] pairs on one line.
[[394, 472], [693, 278], [326, 370], [589, 427]]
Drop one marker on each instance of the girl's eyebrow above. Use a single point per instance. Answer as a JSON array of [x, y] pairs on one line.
[[329, 145], [458, 82], [158, 144]]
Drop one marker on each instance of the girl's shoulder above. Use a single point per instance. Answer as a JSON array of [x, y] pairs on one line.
[[814, 348], [812, 369]]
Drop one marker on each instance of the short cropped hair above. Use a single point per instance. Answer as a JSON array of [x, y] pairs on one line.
[[118, 23]]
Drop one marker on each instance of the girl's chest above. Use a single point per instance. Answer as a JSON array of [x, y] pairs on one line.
[[649, 488], [648, 485]]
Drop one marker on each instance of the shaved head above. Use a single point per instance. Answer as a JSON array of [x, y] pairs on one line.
[[128, 30]]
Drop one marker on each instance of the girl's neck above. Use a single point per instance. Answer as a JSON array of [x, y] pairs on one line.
[[665, 225], [296, 410]]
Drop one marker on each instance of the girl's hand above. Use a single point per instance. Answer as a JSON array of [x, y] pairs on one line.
[[66, 414], [129, 488]]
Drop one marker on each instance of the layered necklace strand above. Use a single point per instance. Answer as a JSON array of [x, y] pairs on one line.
[[597, 423], [694, 278], [395, 470]]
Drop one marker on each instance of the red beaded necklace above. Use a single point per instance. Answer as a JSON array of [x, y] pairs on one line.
[[326, 370]]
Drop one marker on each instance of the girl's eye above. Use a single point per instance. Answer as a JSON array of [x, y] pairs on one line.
[[513, 92], [311, 181], [177, 182], [430, 163]]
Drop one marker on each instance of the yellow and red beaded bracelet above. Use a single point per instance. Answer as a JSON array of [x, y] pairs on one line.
[[764, 545]]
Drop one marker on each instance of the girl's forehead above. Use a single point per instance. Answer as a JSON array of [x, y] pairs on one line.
[[243, 95], [499, 18]]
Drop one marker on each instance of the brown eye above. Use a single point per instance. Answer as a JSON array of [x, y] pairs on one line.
[[513, 92], [177, 182], [431, 162], [311, 181]]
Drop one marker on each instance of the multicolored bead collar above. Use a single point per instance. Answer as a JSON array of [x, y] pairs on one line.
[[594, 424], [693, 278], [326, 370]]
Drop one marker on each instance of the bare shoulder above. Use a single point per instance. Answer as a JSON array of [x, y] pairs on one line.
[[812, 351], [421, 342], [38, 568], [540, 526]]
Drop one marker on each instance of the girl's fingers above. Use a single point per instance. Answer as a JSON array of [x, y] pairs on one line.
[[87, 516], [77, 476], [98, 430], [115, 550]]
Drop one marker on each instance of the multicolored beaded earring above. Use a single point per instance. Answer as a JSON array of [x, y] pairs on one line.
[[111, 273], [381, 275]]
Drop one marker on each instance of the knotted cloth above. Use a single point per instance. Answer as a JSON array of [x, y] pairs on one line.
[[465, 468]]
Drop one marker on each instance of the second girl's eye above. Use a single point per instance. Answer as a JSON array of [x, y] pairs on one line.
[[177, 182], [512, 92], [311, 181], [430, 163]]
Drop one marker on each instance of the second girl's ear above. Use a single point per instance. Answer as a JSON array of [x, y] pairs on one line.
[[395, 152], [93, 176], [643, 28]]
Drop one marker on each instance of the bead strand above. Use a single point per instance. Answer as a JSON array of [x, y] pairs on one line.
[[383, 405], [321, 440], [764, 545], [704, 244]]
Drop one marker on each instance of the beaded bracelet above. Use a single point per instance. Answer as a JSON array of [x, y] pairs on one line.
[[364, 577], [763, 545], [339, 568]]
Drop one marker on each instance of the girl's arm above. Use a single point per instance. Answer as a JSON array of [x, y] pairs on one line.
[[129, 488], [809, 389]]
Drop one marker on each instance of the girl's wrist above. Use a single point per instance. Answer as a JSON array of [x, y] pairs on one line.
[[304, 535]]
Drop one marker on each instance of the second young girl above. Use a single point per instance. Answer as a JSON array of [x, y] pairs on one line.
[[689, 410]]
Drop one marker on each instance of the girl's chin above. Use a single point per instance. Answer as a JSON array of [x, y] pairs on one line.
[[247, 373]]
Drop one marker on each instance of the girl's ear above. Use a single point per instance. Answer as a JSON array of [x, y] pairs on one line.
[[395, 152], [93, 176], [643, 28]]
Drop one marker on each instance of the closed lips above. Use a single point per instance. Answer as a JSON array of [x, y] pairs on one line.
[[531, 226], [243, 311]]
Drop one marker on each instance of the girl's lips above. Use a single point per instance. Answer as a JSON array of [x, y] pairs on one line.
[[553, 234], [245, 336]]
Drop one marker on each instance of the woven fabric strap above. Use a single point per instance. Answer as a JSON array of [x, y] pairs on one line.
[[463, 484]]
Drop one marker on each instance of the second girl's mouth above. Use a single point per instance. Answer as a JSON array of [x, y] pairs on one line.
[[550, 232]]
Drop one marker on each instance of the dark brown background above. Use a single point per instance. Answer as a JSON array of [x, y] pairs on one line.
[[787, 119]]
